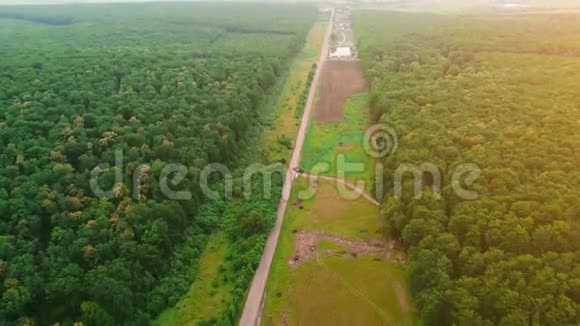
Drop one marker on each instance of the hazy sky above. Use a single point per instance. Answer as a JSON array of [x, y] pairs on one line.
[[30, 2]]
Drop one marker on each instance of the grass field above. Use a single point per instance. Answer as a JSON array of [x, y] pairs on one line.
[[328, 211], [351, 291], [208, 293], [325, 142], [344, 290]]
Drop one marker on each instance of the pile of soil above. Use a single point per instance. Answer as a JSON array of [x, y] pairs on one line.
[[306, 246]]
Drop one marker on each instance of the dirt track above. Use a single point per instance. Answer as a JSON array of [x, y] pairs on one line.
[[357, 189], [340, 80]]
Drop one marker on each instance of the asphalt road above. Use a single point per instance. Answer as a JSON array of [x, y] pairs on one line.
[[254, 302]]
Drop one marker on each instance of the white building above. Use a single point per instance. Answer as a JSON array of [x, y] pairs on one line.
[[511, 4], [341, 52]]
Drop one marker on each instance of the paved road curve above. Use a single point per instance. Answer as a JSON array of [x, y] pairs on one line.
[[253, 307]]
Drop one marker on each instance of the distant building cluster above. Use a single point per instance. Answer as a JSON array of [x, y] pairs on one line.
[[341, 52], [342, 43], [511, 4]]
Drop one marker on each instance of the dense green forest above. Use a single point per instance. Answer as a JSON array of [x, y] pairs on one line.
[[179, 83], [500, 92]]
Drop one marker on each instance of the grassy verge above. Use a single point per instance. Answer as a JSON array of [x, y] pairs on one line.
[[208, 294], [278, 142]]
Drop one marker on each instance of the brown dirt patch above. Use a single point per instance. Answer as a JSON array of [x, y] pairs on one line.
[[307, 245], [340, 80], [284, 319], [343, 147]]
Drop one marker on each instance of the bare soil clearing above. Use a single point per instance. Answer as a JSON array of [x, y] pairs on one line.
[[340, 80], [307, 245], [343, 147]]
